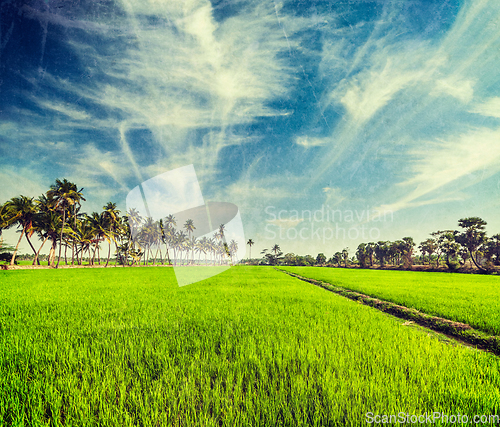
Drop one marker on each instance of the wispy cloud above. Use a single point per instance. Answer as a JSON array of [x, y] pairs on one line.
[[490, 107], [473, 157], [273, 102], [307, 141]]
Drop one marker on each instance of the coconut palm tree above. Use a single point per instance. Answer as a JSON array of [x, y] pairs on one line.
[[42, 222], [64, 194], [276, 248], [211, 245], [201, 246], [21, 212], [111, 216], [5, 217], [189, 226], [97, 225], [50, 229], [250, 243], [233, 249]]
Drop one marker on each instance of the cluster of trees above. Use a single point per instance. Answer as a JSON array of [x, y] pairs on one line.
[[55, 217], [399, 252], [453, 247], [456, 248], [146, 237]]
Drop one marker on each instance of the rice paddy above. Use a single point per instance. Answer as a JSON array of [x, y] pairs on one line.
[[468, 298], [249, 347]]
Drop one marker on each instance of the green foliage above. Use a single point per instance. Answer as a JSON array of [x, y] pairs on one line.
[[321, 258]]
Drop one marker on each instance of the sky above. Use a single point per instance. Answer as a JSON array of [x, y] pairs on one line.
[[327, 123]]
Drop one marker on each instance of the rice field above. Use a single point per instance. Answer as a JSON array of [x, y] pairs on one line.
[[249, 347], [468, 298]]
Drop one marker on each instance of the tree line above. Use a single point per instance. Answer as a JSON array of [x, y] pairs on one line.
[[56, 218], [454, 248]]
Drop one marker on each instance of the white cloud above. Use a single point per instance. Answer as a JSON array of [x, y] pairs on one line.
[[21, 181], [363, 99], [307, 141], [459, 89], [65, 109], [490, 108], [442, 162], [333, 196]]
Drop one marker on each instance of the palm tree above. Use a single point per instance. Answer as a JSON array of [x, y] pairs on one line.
[[64, 194], [96, 223], [5, 218], [168, 233], [201, 246], [211, 245], [233, 249], [111, 217], [50, 229], [276, 248], [21, 211], [189, 226], [345, 255], [250, 243], [472, 237], [222, 238]]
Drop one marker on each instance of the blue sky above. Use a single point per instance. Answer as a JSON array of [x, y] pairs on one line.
[[350, 107]]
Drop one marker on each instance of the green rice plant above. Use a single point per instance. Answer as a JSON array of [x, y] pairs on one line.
[[249, 347], [472, 299]]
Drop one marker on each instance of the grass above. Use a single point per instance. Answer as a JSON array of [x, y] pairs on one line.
[[251, 346], [466, 298]]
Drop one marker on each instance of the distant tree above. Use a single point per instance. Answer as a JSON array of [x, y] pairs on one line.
[[406, 247], [472, 237], [362, 255], [21, 211], [308, 260], [274, 257], [189, 226], [370, 250], [428, 247], [65, 194], [111, 217], [290, 259], [250, 243], [336, 258], [494, 248], [345, 256], [381, 252], [320, 259]]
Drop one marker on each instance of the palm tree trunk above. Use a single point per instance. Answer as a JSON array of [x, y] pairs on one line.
[[74, 239], [52, 252], [168, 256], [109, 254], [36, 260], [29, 241], [475, 262], [17, 246], [60, 238]]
